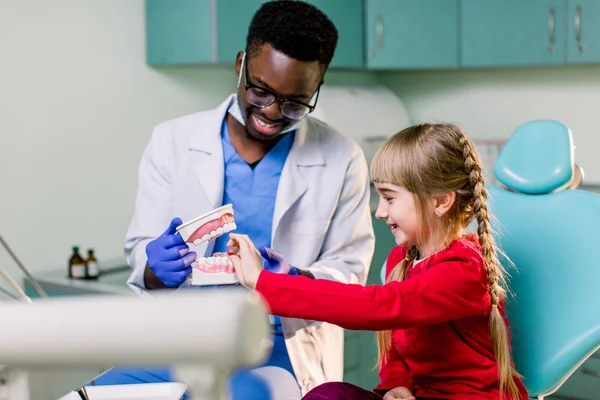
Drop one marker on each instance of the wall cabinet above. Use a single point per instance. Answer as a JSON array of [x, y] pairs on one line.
[[392, 34], [179, 32], [347, 15], [411, 34], [182, 32], [231, 27], [517, 33], [583, 31], [512, 33]]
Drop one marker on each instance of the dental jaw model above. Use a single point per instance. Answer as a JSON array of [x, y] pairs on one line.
[[215, 270], [208, 226]]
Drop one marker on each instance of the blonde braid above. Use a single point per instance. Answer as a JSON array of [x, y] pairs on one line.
[[399, 272], [494, 269], [496, 278], [384, 338]]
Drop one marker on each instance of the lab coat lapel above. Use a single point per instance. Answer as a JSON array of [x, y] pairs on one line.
[[305, 152], [207, 142]]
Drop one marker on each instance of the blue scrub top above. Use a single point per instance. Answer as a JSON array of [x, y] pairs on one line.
[[252, 190]]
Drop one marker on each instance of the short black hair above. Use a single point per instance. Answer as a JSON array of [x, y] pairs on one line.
[[297, 29]]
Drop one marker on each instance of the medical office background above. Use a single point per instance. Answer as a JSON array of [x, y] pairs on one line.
[[78, 98]]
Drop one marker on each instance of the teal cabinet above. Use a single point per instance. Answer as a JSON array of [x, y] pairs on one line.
[[583, 33], [348, 17], [179, 32], [233, 20], [392, 34], [512, 33], [213, 31], [234, 16], [403, 34]]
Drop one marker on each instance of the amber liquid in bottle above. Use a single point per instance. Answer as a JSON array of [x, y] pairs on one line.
[[77, 266], [92, 265]]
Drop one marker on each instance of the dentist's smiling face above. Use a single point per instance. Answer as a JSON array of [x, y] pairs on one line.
[[275, 91]]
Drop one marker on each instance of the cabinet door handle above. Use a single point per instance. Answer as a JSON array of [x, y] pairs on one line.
[[578, 28], [551, 30], [379, 28]]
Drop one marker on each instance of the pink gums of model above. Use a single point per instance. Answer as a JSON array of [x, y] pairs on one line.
[[212, 229]]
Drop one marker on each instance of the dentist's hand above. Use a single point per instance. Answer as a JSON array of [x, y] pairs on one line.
[[399, 393], [245, 258], [169, 257], [275, 262]]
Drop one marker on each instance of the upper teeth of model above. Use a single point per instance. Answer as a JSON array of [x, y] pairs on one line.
[[219, 231]]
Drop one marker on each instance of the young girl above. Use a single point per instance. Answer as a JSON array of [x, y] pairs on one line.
[[439, 319]]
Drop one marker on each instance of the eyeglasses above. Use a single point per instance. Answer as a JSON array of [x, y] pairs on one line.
[[262, 98]]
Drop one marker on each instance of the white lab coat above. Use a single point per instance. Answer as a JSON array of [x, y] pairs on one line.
[[321, 220]]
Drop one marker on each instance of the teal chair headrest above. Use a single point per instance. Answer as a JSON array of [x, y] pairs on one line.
[[538, 158], [550, 231]]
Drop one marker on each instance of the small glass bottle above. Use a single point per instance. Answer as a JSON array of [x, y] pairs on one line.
[[92, 265], [77, 265]]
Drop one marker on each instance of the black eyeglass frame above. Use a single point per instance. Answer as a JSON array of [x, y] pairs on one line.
[[276, 98]]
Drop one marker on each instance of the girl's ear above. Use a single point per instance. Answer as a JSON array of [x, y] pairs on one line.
[[443, 203]]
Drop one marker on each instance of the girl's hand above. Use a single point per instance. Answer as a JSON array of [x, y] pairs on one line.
[[245, 258], [399, 393]]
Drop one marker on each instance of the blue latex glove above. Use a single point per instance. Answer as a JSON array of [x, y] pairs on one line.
[[274, 262], [169, 257]]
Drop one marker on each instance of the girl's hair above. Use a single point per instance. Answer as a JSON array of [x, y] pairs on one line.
[[434, 159]]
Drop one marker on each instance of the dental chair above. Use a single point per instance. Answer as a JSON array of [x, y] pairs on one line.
[[52, 347], [550, 231]]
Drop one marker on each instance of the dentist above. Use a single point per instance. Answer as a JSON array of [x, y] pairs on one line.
[[291, 179]]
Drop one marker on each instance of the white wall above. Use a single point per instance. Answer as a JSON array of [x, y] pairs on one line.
[[492, 103], [77, 105]]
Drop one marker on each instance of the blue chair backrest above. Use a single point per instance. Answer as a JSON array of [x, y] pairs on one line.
[[552, 235]]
